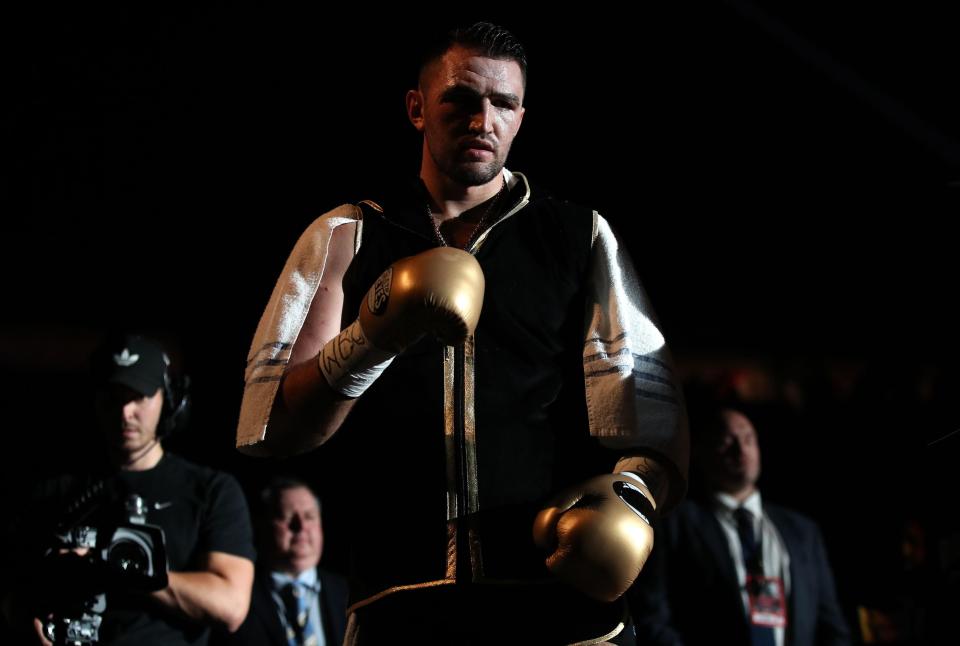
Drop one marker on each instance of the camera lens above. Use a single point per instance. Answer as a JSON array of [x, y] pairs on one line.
[[129, 556], [129, 551]]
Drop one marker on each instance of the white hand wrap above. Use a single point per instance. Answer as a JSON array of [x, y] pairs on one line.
[[653, 476], [632, 475], [351, 363]]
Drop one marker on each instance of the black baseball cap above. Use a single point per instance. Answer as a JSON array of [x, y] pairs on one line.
[[131, 360]]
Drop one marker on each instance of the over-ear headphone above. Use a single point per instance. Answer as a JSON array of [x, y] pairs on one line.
[[176, 401]]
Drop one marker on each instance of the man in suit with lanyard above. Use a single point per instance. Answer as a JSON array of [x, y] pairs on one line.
[[730, 567], [294, 602]]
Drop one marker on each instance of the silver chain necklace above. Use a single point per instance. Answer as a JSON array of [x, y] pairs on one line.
[[477, 228]]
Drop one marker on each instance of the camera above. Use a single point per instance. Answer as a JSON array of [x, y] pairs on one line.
[[122, 553]]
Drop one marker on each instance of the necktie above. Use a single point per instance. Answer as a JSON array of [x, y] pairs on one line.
[[748, 541], [752, 562], [296, 601]]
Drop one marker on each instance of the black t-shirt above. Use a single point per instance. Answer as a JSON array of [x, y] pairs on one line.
[[200, 510]]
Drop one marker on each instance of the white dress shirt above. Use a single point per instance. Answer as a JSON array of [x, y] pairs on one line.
[[310, 580], [776, 560]]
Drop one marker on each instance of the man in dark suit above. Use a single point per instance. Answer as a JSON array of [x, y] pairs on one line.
[[730, 568], [294, 602]]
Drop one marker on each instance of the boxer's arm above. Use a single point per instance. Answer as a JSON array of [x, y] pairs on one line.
[[438, 292], [634, 402], [307, 411]]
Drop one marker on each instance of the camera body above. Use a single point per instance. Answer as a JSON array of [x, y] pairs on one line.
[[90, 561], [130, 554]]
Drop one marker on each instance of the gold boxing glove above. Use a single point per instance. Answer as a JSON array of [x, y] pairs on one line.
[[439, 292], [599, 534]]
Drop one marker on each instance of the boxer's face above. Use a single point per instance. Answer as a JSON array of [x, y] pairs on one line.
[[469, 108]]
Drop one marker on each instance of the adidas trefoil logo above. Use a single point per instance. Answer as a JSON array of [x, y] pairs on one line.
[[126, 359]]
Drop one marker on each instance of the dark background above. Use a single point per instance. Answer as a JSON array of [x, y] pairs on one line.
[[786, 181]]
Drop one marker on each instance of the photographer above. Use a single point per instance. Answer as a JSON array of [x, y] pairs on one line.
[[203, 570]]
